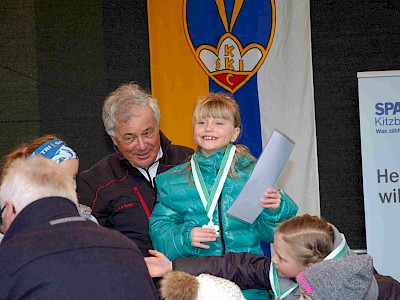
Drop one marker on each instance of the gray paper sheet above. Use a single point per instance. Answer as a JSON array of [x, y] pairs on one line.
[[266, 174]]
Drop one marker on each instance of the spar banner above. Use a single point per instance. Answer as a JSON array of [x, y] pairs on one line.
[[257, 50], [379, 97]]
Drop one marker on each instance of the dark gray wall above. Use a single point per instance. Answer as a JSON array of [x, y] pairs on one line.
[[347, 37], [59, 61]]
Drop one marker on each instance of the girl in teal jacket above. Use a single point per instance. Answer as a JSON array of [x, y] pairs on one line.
[[190, 217]]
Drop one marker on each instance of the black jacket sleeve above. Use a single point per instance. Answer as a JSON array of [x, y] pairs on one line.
[[249, 271], [389, 288]]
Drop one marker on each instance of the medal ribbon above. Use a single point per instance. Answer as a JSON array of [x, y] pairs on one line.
[[273, 276], [339, 251], [210, 200]]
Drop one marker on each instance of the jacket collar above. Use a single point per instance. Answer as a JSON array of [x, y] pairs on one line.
[[212, 160], [165, 142], [39, 212], [215, 159]]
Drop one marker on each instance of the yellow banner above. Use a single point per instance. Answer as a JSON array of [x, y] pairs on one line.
[[176, 77]]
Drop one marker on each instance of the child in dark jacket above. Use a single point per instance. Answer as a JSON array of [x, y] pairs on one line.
[[304, 246]]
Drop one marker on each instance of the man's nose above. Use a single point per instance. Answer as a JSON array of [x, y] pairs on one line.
[[140, 143]]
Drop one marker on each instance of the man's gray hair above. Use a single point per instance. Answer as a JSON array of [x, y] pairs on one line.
[[29, 179], [118, 105]]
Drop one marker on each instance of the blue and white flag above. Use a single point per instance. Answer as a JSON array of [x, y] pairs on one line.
[[257, 50]]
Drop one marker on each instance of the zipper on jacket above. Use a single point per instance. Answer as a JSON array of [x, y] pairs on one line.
[[221, 227], [144, 205], [136, 173]]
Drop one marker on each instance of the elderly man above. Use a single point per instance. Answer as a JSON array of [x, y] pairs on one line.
[[120, 188], [50, 252]]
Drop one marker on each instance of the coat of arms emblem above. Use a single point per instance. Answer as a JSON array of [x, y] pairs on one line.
[[230, 39]]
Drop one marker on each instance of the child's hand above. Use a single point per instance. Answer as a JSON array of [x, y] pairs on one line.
[[200, 235], [271, 199], [158, 264]]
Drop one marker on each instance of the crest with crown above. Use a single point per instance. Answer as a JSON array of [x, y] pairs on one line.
[[227, 61]]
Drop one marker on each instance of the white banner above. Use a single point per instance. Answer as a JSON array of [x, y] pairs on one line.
[[287, 102], [379, 97]]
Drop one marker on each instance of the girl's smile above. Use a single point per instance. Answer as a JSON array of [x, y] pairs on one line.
[[213, 134]]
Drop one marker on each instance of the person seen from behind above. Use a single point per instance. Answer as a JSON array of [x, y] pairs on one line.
[[49, 251]]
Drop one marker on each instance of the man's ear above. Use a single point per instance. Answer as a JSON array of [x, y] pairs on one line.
[[114, 140], [9, 215]]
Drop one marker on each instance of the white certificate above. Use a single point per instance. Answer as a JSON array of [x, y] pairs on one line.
[[266, 174]]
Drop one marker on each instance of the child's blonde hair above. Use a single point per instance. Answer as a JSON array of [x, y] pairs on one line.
[[310, 238], [217, 105], [224, 106]]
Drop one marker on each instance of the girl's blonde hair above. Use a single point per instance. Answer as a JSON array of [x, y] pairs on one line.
[[224, 106], [310, 238], [217, 105], [26, 149]]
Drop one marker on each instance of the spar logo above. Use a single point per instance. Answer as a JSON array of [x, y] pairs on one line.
[[387, 108], [230, 39]]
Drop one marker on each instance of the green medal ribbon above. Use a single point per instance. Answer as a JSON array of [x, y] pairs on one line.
[[273, 278], [210, 200]]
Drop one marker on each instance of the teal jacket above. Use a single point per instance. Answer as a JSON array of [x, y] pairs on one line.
[[179, 209]]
